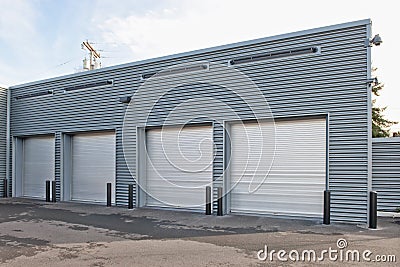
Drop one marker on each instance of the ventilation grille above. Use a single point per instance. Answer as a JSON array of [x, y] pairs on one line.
[[32, 95], [274, 55], [88, 85], [176, 71]]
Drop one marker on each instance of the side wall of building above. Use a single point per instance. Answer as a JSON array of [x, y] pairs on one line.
[[333, 82], [3, 125], [386, 172]]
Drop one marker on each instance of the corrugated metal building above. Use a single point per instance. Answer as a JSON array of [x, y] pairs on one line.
[[386, 172], [314, 84], [3, 131]]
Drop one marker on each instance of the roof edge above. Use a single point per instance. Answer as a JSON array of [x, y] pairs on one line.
[[203, 50]]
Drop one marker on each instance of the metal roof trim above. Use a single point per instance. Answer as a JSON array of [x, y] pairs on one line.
[[204, 50]]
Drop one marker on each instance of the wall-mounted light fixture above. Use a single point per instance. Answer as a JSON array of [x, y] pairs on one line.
[[373, 81], [147, 75], [377, 41], [125, 99]]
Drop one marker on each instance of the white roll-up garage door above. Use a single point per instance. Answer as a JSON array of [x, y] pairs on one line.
[[93, 166], [295, 182], [179, 166], [38, 165]]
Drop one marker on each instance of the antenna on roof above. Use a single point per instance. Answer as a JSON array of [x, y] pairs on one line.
[[94, 57]]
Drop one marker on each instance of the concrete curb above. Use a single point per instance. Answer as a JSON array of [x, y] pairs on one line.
[[389, 214]]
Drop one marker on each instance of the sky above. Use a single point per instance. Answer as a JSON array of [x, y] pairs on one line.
[[40, 39]]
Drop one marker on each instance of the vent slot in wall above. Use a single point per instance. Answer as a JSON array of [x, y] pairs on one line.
[[88, 85], [176, 71], [275, 55], [32, 95]]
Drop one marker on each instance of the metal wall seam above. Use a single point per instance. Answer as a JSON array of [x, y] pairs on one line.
[[369, 116], [57, 164], [327, 132], [9, 145]]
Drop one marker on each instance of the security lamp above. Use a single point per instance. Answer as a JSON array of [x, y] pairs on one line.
[[125, 99], [373, 81], [377, 40]]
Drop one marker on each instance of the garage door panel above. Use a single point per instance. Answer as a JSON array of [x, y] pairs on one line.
[[293, 182], [281, 187], [179, 166], [278, 203], [182, 177], [186, 198], [275, 198], [190, 195], [281, 208], [283, 181], [179, 183], [93, 166], [38, 165]]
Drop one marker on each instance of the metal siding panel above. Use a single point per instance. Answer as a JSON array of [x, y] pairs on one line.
[[124, 176], [38, 165], [3, 125], [10, 180], [57, 165], [293, 86], [218, 167], [386, 172], [93, 166], [179, 167], [293, 185]]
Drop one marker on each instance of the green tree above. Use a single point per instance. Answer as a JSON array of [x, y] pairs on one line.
[[380, 125]]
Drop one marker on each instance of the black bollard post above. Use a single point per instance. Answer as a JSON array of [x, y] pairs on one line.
[[208, 200], [47, 191], [108, 194], [327, 207], [373, 209], [53, 191], [219, 202], [130, 196]]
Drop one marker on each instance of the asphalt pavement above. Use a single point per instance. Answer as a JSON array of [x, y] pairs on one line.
[[37, 233]]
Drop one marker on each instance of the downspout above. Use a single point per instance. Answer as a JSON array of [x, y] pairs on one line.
[[369, 117], [8, 137]]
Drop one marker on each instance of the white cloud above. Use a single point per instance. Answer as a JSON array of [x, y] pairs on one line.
[[16, 28], [16, 21], [183, 26], [32, 45], [179, 26]]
